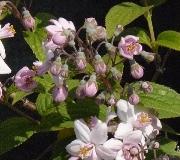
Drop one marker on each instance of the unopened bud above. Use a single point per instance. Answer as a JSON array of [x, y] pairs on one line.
[[133, 99], [80, 61], [64, 71], [149, 57], [80, 90], [100, 66], [137, 71], [146, 87], [111, 48], [134, 151], [60, 93], [91, 87], [117, 75], [28, 21], [100, 99], [56, 67], [156, 145], [111, 101], [118, 30]]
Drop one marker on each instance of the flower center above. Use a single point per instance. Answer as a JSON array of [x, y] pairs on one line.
[[131, 47], [11, 29], [85, 151], [29, 80], [144, 118]]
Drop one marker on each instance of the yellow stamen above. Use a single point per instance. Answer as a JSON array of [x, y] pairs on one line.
[[11, 29], [131, 47], [84, 151], [144, 118]]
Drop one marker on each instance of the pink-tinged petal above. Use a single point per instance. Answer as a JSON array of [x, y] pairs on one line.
[[131, 38], [125, 110], [93, 156], [105, 153], [82, 131], [52, 29], [156, 123], [74, 147], [133, 137], [113, 144], [2, 50], [124, 54], [4, 69], [147, 130], [99, 133], [71, 26], [120, 155], [122, 130], [73, 158]]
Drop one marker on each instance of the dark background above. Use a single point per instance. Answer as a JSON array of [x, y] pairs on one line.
[[165, 17]]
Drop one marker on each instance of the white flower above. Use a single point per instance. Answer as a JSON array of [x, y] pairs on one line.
[[6, 32], [92, 144], [130, 120]]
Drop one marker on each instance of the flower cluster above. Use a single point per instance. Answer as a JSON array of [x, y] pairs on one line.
[[131, 140]]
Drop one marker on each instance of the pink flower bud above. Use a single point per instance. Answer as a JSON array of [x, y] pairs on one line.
[[80, 90], [134, 151], [118, 30], [24, 79], [90, 23], [60, 93], [56, 67], [100, 66], [28, 21], [129, 46], [59, 39], [111, 101], [147, 87], [134, 99], [80, 61], [137, 71], [91, 88], [64, 71], [156, 145]]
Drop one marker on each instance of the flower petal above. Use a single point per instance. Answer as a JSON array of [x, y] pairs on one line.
[[133, 137], [113, 144], [2, 50], [125, 110], [74, 147], [99, 133], [82, 131], [105, 153], [122, 130], [4, 69], [120, 155]]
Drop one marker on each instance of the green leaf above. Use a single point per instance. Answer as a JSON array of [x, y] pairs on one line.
[[44, 104], [19, 95], [169, 39], [45, 81], [163, 100], [34, 40], [168, 146], [123, 14], [14, 132]]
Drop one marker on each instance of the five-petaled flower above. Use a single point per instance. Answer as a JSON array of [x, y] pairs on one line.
[[129, 46]]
